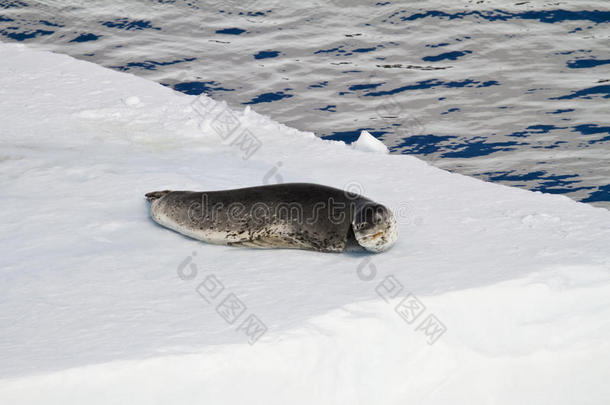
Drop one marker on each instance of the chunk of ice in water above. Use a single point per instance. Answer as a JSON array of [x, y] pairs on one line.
[[368, 143]]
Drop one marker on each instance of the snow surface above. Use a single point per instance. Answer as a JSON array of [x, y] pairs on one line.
[[98, 304]]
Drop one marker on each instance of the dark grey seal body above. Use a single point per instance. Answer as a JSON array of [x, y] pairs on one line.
[[292, 215]]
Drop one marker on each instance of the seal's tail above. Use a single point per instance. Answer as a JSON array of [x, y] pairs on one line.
[[154, 195]]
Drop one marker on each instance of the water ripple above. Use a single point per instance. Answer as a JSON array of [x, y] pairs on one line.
[[512, 93]]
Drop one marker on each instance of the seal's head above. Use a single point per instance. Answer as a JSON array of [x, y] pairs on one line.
[[374, 227]]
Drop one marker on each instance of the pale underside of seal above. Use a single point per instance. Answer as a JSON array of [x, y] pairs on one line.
[[292, 215]]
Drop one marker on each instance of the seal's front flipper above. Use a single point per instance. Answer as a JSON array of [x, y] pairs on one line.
[[279, 240], [260, 243], [155, 195], [270, 241]]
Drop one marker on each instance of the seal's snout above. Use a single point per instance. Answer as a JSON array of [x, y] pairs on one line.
[[155, 195], [374, 227]]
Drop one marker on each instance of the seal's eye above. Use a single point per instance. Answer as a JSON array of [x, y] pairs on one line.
[[361, 225]]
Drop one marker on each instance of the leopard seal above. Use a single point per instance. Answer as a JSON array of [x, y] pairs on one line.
[[289, 215]]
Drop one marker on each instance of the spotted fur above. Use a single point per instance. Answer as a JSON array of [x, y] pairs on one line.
[[258, 217]]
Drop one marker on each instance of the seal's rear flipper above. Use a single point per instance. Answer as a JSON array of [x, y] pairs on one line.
[[154, 195]]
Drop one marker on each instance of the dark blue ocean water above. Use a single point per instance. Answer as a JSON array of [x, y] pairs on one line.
[[510, 92]]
